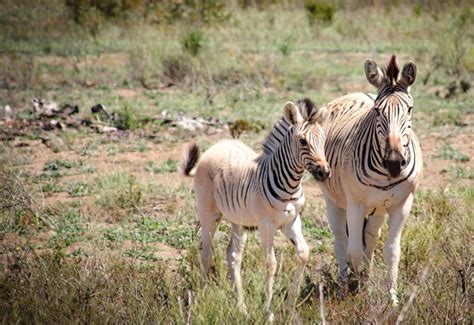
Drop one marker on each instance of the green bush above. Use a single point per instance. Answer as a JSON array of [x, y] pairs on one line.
[[193, 11], [126, 119], [319, 11], [193, 42]]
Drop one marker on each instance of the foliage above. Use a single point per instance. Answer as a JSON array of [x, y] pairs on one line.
[[193, 41], [319, 11]]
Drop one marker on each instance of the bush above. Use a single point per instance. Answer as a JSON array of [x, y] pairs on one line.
[[126, 120], [193, 41], [193, 11], [319, 11]]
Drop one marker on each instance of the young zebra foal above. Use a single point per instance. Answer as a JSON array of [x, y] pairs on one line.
[[262, 191]]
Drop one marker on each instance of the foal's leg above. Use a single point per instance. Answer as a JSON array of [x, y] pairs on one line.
[[337, 222], [234, 260], [267, 233], [396, 221], [293, 232], [209, 221]]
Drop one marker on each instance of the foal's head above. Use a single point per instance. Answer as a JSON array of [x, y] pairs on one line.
[[307, 138]]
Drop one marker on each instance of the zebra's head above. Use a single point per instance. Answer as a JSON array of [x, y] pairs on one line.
[[393, 110], [307, 137]]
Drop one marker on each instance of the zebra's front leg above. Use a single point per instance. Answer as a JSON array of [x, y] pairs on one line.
[[337, 222], [293, 232], [396, 221], [267, 233], [371, 235], [234, 261], [355, 223]]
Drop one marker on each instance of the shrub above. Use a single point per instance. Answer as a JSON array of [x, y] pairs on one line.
[[126, 119], [193, 41], [319, 11], [193, 11]]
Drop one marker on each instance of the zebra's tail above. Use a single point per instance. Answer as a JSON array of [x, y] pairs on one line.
[[190, 159]]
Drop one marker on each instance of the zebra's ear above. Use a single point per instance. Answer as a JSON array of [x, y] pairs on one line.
[[319, 115], [374, 74], [292, 114], [408, 75]]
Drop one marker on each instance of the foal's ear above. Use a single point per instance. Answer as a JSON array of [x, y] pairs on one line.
[[374, 74], [292, 114], [408, 75]]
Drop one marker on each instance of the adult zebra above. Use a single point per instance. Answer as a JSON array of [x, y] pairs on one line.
[[263, 191], [376, 163]]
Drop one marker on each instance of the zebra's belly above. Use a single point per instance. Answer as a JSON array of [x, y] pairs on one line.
[[256, 209]]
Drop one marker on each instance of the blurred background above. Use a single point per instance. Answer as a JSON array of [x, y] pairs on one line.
[[99, 97]]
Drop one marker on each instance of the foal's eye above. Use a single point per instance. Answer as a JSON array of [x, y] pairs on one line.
[[303, 142]]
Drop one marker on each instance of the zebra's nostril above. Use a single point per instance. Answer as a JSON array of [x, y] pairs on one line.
[[404, 162], [384, 163], [320, 174]]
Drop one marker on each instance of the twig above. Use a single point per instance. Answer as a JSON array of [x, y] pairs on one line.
[[190, 297], [321, 304]]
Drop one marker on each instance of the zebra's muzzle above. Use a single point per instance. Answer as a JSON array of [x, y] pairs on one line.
[[320, 173], [394, 163]]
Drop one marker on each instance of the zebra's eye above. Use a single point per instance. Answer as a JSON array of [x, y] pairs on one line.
[[409, 109], [303, 142]]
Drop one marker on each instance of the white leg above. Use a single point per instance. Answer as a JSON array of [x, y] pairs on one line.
[[267, 233], [209, 224], [355, 224], [396, 221], [371, 235], [293, 232], [234, 260], [337, 222]]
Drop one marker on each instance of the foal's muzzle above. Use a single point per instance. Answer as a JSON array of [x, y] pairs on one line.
[[394, 162], [320, 171]]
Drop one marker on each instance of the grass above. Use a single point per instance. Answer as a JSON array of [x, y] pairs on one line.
[[102, 229]]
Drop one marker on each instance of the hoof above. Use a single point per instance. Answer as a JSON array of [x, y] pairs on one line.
[[271, 317], [394, 298]]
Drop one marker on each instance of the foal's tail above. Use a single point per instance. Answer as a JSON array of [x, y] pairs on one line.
[[190, 159]]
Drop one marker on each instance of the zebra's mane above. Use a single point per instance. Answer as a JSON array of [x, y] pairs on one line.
[[392, 71], [306, 108]]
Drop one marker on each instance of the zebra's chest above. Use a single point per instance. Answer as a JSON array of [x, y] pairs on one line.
[[285, 212], [380, 199]]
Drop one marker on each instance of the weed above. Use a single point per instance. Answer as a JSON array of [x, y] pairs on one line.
[[457, 172], [448, 152], [68, 229], [118, 190], [77, 189], [57, 165], [169, 166], [126, 119], [52, 187]]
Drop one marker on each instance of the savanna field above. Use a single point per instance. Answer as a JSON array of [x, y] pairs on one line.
[[96, 223]]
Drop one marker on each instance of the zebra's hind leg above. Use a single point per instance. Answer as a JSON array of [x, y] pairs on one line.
[[267, 232], [337, 222], [209, 220], [396, 221], [234, 261], [293, 232]]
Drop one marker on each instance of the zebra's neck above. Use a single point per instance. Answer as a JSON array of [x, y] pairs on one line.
[[281, 171]]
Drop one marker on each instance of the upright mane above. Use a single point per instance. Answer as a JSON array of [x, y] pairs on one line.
[[306, 108], [392, 71]]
